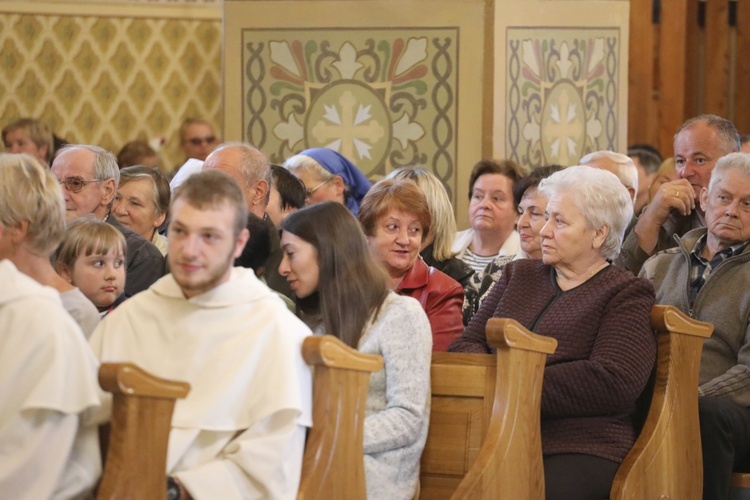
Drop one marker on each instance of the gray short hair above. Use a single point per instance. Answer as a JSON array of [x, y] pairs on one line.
[[601, 198], [626, 170], [733, 161], [105, 162], [730, 138]]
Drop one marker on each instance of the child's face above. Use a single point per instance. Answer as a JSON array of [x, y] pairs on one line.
[[101, 278]]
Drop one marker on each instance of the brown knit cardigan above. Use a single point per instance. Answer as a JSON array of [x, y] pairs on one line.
[[605, 351]]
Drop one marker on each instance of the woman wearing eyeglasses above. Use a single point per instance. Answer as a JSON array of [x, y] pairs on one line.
[[329, 176]]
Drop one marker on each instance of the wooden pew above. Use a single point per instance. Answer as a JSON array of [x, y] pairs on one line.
[[666, 460], [333, 465], [514, 429], [463, 387], [141, 419], [475, 405]]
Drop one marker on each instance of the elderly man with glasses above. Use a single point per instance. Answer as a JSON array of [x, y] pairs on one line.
[[89, 176]]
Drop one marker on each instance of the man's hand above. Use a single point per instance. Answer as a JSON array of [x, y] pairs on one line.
[[673, 195]]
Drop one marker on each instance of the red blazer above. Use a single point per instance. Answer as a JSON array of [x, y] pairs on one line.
[[441, 297]]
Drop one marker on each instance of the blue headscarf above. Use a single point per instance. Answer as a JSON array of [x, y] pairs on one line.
[[337, 164]]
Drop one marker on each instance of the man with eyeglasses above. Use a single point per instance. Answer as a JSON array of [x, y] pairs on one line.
[[707, 276], [89, 176], [252, 171], [197, 138]]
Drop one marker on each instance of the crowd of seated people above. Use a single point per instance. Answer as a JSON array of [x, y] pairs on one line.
[[218, 281]]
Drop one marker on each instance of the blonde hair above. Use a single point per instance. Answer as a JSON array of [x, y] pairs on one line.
[[87, 236], [441, 210], [30, 192]]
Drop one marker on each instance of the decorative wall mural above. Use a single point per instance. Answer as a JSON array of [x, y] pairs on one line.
[[385, 98], [562, 94]]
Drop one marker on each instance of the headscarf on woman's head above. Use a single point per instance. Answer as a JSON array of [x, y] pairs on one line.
[[337, 164]]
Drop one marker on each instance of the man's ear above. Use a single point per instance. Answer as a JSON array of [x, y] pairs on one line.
[[260, 192], [109, 189], [704, 199], [241, 242]]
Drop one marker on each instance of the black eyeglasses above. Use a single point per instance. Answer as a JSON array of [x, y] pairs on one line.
[[75, 184], [197, 141]]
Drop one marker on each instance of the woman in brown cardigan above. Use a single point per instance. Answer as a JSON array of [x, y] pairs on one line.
[[599, 315]]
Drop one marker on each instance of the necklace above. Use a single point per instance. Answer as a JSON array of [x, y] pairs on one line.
[[591, 273]]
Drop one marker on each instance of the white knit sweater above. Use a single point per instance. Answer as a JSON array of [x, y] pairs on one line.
[[398, 402]]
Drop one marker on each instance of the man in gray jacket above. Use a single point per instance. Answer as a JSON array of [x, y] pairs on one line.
[[675, 210], [708, 277]]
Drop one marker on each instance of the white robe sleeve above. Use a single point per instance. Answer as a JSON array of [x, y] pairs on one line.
[[263, 461]]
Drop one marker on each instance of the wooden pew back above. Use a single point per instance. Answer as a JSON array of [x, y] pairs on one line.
[[666, 461], [142, 408], [471, 397], [463, 387], [333, 464]]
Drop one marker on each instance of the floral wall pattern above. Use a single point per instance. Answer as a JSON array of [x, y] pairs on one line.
[[109, 79], [561, 102], [385, 98]]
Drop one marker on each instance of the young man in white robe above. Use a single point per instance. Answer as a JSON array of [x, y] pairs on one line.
[[240, 433]]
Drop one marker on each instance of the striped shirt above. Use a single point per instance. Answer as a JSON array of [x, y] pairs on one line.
[[476, 262]]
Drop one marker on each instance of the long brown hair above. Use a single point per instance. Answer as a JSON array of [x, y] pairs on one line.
[[351, 285]]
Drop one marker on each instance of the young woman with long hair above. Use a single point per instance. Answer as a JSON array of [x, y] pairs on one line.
[[340, 290]]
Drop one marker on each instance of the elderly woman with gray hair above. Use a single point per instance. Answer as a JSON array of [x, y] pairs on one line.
[[599, 315]]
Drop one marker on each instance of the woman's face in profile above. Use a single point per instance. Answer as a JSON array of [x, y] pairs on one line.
[[318, 190], [134, 207], [299, 265], [396, 242], [531, 221], [566, 237]]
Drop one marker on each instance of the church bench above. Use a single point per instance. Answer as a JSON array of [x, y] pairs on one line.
[[477, 407], [333, 463], [666, 460]]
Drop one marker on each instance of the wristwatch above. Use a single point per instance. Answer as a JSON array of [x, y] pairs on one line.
[[173, 489]]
